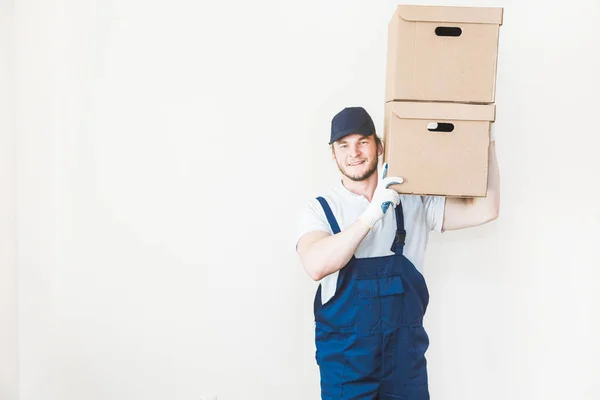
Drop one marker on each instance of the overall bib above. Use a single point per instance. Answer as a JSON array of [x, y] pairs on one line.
[[369, 336]]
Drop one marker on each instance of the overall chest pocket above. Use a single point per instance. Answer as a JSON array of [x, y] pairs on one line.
[[380, 303], [379, 286]]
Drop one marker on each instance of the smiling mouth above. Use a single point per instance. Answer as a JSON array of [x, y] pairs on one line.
[[356, 163]]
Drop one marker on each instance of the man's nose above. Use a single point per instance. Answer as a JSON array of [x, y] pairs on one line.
[[354, 150]]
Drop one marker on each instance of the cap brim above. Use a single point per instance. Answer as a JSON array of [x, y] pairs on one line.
[[341, 134]]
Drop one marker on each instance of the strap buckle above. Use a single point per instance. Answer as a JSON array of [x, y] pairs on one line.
[[400, 238]]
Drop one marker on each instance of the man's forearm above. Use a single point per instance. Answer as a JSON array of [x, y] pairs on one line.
[[467, 212], [490, 204], [493, 192], [329, 254]]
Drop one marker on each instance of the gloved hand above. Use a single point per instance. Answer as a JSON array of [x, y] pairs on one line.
[[382, 199]]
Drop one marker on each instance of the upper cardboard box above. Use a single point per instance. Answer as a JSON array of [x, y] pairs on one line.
[[443, 54]]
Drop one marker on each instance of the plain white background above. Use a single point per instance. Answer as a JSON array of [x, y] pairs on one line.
[[8, 248], [161, 152]]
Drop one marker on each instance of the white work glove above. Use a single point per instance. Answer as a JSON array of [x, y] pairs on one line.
[[382, 199]]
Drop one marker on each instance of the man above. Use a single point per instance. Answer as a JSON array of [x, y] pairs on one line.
[[365, 243]]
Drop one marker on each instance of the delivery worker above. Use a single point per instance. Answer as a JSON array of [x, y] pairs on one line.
[[365, 244]]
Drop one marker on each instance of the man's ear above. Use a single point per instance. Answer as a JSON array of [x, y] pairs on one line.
[[379, 149], [332, 152]]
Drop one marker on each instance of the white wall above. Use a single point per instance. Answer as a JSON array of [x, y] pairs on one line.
[[164, 151], [8, 245]]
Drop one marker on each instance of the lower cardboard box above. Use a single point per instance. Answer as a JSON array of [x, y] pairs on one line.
[[439, 149]]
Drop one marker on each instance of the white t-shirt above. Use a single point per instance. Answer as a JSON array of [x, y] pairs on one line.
[[422, 214]]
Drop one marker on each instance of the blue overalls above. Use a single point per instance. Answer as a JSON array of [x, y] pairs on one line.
[[369, 336]]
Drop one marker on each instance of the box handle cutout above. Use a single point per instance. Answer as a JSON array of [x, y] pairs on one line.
[[448, 31], [440, 127]]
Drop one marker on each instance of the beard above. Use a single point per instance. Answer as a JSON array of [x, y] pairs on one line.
[[372, 168]]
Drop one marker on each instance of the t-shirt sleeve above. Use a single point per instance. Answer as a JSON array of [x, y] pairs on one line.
[[312, 219], [434, 212]]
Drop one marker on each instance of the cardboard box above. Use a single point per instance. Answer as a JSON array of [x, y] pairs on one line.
[[438, 148], [443, 54]]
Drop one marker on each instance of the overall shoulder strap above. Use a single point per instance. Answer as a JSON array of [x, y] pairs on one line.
[[400, 238], [329, 214]]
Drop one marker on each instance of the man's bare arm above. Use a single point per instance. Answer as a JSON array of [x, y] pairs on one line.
[[463, 213], [323, 254]]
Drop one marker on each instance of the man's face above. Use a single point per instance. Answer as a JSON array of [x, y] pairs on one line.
[[356, 156]]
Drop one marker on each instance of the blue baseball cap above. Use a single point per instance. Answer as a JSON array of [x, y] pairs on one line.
[[351, 120]]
